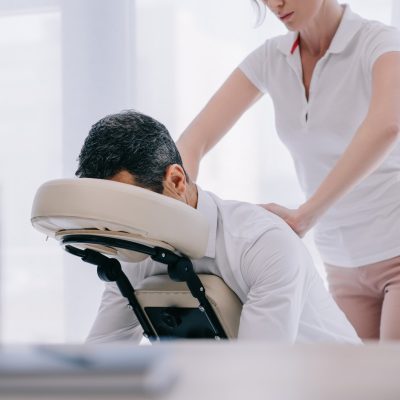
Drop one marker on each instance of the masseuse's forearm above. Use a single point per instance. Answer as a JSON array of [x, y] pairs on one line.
[[369, 147], [191, 156], [373, 141], [215, 120]]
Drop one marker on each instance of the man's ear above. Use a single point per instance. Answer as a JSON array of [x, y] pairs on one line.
[[175, 183]]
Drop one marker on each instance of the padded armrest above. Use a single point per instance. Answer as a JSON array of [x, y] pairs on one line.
[[112, 209]]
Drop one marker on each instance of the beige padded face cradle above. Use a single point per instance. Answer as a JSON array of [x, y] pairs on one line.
[[106, 208]]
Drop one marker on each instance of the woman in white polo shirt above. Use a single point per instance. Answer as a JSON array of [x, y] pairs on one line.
[[335, 83]]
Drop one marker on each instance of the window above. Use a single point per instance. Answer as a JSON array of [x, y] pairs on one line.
[[30, 125]]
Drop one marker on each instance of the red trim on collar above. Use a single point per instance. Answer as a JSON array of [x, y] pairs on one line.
[[295, 45]]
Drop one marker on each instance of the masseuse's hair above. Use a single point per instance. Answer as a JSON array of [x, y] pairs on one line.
[[129, 141], [260, 10]]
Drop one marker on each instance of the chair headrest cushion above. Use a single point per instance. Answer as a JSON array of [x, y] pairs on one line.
[[114, 209]]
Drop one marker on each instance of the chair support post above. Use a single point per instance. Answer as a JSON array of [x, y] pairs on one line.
[[181, 269], [109, 270]]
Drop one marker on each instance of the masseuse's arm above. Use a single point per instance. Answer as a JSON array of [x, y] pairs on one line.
[[373, 141], [235, 96]]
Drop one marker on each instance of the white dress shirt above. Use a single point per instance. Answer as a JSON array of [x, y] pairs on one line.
[[364, 226], [264, 262]]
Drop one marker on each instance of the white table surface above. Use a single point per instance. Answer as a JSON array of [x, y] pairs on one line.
[[303, 372], [240, 370]]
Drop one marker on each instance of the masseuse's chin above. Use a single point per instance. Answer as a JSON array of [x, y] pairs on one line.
[[292, 27]]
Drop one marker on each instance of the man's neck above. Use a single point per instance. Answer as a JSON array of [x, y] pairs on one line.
[[192, 195]]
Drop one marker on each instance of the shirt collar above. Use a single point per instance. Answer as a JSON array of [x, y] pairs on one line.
[[348, 27], [287, 43], [207, 207]]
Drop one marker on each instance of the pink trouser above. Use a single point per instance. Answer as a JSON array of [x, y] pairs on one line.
[[370, 297]]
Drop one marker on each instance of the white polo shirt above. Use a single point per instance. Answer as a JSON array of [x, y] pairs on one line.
[[364, 226], [264, 262]]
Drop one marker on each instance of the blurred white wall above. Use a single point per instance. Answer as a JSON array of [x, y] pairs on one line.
[[30, 129], [396, 13], [98, 71]]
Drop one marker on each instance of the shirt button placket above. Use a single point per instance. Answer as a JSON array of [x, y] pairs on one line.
[[314, 81]]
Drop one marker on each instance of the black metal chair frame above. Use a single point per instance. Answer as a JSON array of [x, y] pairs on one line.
[[180, 269]]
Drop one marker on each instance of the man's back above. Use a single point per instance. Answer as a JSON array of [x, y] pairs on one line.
[[261, 259]]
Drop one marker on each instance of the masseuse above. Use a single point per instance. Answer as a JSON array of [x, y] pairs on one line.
[[334, 79]]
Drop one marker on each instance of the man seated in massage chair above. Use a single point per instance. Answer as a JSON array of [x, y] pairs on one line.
[[257, 255]]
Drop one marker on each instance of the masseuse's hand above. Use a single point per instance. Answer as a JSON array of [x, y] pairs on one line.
[[297, 219]]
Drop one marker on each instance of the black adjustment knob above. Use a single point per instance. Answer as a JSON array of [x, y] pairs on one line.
[[170, 319], [109, 270]]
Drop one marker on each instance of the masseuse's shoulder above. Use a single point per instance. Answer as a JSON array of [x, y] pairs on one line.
[[374, 40], [377, 33]]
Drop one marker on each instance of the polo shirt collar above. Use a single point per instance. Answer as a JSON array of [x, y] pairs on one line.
[[348, 27], [207, 207], [287, 45]]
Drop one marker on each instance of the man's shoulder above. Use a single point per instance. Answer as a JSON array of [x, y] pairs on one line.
[[246, 221]]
